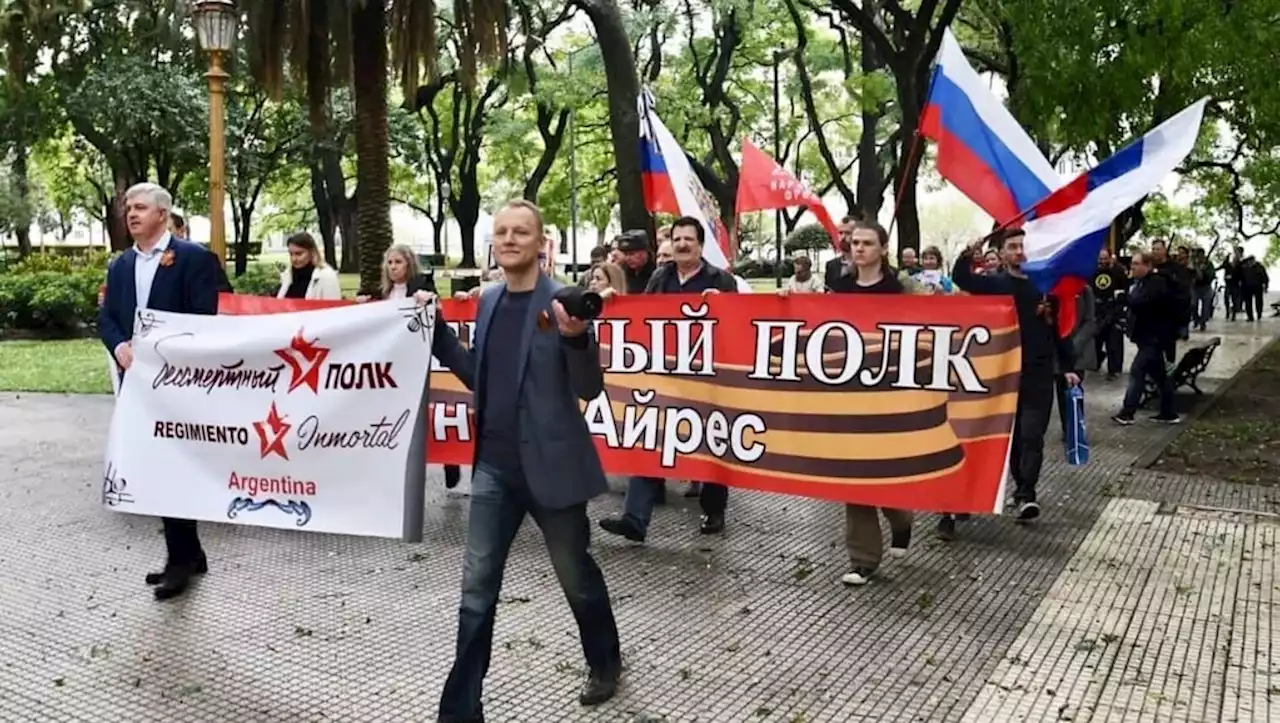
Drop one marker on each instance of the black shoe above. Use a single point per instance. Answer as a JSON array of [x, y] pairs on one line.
[[174, 583], [452, 476], [1111, 376], [1123, 420], [711, 524], [599, 688], [1028, 511], [1173, 419], [622, 527], [858, 577], [899, 542], [946, 528], [200, 567]]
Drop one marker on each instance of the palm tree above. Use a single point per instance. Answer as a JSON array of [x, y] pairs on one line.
[[403, 33]]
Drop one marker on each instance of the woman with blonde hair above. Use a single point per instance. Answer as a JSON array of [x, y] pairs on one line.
[[607, 280], [307, 276], [402, 277]]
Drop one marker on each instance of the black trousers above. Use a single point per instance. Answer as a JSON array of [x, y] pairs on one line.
[[1035, 407], [713, 499], [1109, 343], [181, 541]]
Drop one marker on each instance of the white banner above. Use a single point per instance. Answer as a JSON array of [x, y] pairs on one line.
[[307, 420]]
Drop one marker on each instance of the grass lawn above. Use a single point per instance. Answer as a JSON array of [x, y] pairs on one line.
[[75, 366]]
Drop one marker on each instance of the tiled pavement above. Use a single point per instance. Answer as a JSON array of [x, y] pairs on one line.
[[1135, 598]]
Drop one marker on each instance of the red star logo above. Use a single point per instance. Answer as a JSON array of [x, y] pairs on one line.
[[271, 434], [305, 359]]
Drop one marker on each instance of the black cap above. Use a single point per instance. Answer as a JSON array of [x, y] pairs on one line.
[[635, 240]]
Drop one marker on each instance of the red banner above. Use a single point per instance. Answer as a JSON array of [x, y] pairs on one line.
[[903, 401]]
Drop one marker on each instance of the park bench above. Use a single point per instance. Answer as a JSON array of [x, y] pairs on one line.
[[1189, 368]]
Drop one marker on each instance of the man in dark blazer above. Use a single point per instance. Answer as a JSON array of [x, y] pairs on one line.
[[533, 364], [162, 273]]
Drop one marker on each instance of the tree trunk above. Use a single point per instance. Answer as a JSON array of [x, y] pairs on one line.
[[870, 175], [623, 82], [908, 213], [324, 211], [373, 189], [466, 211], [21, 187], [16, 67], [117, 230]]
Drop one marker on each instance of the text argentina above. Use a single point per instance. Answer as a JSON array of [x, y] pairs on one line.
[[285, 486]]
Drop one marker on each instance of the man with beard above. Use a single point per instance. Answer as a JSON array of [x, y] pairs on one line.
[[1044, 356], [1109, 286], [687, 274], [636, 260]]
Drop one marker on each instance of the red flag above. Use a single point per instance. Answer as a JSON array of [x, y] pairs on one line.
[[764, 185]]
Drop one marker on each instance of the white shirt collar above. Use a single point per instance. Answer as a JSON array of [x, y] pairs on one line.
[[161, 246]]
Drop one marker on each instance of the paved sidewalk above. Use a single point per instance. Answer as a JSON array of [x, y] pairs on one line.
[[1130, 600]]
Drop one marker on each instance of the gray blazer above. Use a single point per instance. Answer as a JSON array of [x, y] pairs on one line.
[[1082, 338], [557, 453]]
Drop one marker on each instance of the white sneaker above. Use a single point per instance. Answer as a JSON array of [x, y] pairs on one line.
[[860, 576]]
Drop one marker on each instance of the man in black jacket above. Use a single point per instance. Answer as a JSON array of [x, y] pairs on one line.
[[687, 274], [1044, 355], [637, 259], [1202, 276], [1152, 325], [1109, 285], [841, 264], [1177, 279], [1233, 282]]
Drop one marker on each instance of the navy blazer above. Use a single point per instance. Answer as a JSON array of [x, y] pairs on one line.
[[557, 454], [189, 285]]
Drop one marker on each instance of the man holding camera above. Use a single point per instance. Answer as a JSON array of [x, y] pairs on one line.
[[533, 362], [686, 274]]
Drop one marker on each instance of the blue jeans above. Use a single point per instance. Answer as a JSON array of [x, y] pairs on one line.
[[1149, 361], [498, 506], [643, 492]]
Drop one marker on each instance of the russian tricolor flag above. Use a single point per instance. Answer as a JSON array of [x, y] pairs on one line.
[[981, 149], [1068, 228], [986, 154]]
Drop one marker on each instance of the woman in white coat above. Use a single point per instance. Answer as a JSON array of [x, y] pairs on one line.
[[308, 276]]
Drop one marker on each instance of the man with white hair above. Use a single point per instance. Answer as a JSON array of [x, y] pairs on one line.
[[162, 273]]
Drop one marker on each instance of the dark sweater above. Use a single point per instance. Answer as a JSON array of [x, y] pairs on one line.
[[666, 280], [1043, 351], [499, 439]]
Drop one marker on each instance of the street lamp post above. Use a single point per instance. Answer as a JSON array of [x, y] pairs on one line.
[[216, 22]]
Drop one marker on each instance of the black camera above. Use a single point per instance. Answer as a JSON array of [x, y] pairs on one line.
[[580, 303]]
